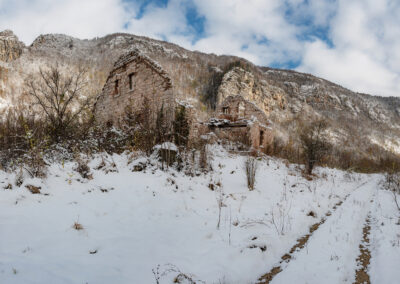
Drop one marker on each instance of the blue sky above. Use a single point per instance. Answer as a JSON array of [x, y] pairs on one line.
[[355, 43]]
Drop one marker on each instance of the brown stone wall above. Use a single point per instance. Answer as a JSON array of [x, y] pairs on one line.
[[261, 137], [235, 108], [239, 134], [146, 82]]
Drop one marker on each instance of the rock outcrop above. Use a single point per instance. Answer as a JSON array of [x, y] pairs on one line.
[[200, 80], [10, 47], [243, 83]]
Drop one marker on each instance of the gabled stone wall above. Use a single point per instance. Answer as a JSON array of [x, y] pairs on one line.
[[149, 82]]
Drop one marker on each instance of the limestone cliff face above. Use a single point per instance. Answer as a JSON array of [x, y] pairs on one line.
[[283, 95], [10, 47], [243, 83]]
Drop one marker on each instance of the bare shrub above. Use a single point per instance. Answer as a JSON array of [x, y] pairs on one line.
[[19, 178], [313, 142], [181, 126], [140, 129], [392, 183], [34, 163], [203, 161], [181, 277], [251, 166], [60, 97], [220, 201], [82, 167]]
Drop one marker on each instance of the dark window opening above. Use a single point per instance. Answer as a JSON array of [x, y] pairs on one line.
[[116, 87], [261, 137], [225, 110], [131, 81]]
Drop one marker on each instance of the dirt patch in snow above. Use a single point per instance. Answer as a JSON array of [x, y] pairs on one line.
[[364, 258]]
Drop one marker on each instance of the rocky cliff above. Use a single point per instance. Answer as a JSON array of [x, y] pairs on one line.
[[10, 47], [358, 120]]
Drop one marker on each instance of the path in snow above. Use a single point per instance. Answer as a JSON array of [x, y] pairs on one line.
[[328, 253], [363, 259], [301, 242]]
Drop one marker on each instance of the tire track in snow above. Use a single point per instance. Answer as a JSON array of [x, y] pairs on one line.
[[301, 243], [364, 258]]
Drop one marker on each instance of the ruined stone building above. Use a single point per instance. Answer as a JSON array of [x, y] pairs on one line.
[[240, 120], [135, 82]]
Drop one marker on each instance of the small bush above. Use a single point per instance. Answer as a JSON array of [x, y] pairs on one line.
[[392, 183], [82, 167]]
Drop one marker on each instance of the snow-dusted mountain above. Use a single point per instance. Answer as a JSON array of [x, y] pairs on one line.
[[356, 119]]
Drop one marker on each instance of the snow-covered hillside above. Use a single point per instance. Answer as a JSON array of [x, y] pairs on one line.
[[125, 226]]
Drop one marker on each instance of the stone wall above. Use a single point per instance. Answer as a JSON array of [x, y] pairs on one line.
[[236, 108], [148, 82], [260, 136]]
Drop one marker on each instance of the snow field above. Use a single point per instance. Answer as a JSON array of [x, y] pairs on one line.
[[137, 223]]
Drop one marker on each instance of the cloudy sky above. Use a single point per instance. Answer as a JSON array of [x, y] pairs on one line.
[[355, 43]]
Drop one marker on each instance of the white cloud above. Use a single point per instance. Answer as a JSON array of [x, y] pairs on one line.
[[84, 19], [232, 25], [364, 54], [161, 22]]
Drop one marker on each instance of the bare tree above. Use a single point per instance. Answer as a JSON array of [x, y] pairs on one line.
[[60, 96], [313, 142]]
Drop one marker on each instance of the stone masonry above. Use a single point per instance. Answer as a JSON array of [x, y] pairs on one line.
[[242, 121], [134, 79]]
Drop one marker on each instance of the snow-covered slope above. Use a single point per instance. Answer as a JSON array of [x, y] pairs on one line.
[[138, 227]]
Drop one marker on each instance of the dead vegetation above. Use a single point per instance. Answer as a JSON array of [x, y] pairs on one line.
[[251, 166], [33, 189], [392, 183], [77, 226]]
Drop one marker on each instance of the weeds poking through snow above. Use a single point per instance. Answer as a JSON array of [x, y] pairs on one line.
[[392, 183], [77, 226], [82, 167], [179, 278], [220, 202], [19, 178], [251, 170], [280, 215]]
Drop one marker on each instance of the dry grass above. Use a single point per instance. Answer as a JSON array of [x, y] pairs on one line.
[[251, 170], [77, 226]]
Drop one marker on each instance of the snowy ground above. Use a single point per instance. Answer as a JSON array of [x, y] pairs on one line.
[[139, 226]]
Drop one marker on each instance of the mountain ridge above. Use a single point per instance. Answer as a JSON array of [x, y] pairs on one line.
[[199, 79]]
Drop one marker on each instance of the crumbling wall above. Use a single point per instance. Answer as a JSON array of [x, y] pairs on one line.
[[148, 83], [236, 108]]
